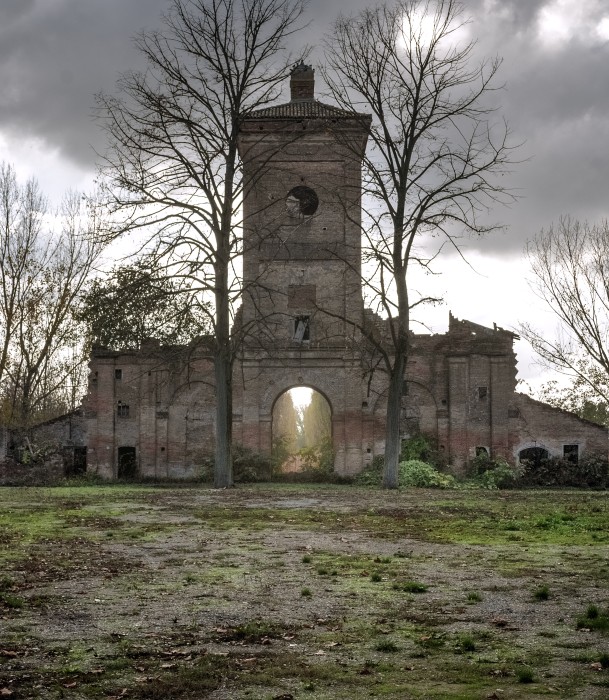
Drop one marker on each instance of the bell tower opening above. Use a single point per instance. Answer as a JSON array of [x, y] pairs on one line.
[[302, 431]]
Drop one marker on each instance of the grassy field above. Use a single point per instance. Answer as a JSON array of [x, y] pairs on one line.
[[279, 592]]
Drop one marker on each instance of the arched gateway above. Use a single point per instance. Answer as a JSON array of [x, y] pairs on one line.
[[302, 431]]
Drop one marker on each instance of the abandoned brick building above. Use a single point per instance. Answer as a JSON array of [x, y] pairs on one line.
[[152, 410]]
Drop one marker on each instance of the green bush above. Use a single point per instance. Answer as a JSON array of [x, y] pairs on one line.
[[422, 448], [372, 474], [492, 474], [249, 466], [411, 473], [591, 472], [415, 473]]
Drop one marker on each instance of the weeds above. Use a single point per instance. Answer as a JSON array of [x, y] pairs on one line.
[[542, 593], [525, 675], [594, 619], [466, 643], [414, 587]]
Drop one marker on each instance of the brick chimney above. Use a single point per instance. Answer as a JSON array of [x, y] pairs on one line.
[[302, 83]]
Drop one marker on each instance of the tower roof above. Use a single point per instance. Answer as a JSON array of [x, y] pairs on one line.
[[303, 104]]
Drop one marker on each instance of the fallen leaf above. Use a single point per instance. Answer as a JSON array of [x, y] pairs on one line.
[[499, 622]]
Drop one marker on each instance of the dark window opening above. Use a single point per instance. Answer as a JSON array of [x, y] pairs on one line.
[[118, 375], [482, 392], [443, 402], [75, 461], [571, 453], [127, 465], [302, 331], [481, 451], [302, 201], [122, 410], [533, 456]]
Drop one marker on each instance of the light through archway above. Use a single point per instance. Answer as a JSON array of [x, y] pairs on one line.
[[302, 431]]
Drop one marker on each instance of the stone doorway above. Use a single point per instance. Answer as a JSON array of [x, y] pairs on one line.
[[302, 431], [127, 463]]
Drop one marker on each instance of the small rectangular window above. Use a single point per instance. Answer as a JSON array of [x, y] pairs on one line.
[[301, 329], [571, 453], [122, 410], [482, 392], [118, 375]]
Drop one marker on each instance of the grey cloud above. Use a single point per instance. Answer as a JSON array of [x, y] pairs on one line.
[[56, 54]]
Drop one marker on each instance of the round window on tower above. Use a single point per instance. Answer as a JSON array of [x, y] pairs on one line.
[[302, 201]]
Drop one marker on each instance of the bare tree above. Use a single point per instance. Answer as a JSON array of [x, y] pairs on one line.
[[570, 265], [431, 158], [173, 167], [45, 261]]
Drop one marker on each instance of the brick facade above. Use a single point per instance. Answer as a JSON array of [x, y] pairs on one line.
[[302, 307]]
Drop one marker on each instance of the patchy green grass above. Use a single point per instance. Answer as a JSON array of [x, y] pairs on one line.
[[302, 591]]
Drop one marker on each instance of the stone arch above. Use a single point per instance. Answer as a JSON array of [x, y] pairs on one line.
[[302, 445]]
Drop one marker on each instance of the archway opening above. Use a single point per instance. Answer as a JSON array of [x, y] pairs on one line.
[[302, 431], [533, 456]]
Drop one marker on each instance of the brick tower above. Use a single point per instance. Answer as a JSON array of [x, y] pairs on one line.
[[301, 265]]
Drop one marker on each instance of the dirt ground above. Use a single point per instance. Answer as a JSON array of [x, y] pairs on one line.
[[302, 592]]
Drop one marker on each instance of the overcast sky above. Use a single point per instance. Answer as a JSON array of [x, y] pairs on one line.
[[56, 54]]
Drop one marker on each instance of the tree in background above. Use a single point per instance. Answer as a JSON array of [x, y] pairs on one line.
[[570, 264], [173, 168], [431, 160], [576, 398], [285, 428], [136, 302], [317, 432], [45, 262]]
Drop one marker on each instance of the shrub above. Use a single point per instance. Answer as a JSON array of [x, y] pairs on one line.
[[249, 466], [591, 472], [492, 474], [372, 474], [420, 474], [422, 448]]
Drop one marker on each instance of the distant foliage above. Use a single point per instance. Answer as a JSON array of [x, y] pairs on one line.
[[592, 472]]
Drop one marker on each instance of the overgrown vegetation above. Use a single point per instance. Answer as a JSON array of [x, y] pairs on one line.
[[276, 590]]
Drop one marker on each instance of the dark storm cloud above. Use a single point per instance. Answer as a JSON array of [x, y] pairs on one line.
[[56, 54]]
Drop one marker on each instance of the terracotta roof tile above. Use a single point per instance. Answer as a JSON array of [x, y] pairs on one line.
[[302, 109]]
